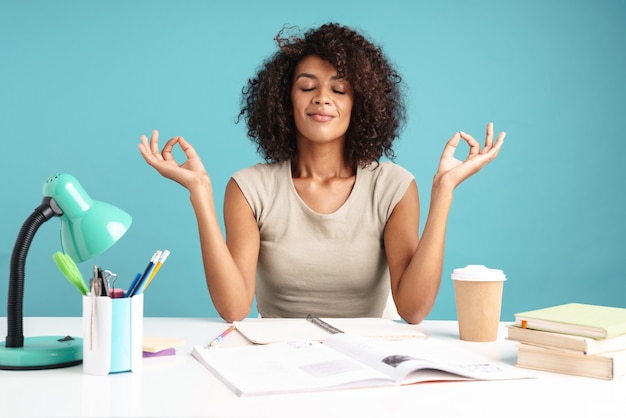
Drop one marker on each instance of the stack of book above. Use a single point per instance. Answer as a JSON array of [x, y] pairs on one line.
[[574, 338]]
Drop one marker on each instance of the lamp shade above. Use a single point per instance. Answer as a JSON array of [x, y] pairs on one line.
[[88, 227]]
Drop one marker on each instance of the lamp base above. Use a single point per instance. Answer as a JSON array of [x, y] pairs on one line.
[[38, 353]]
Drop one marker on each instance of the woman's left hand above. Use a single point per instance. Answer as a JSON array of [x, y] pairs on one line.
[[455, 171]]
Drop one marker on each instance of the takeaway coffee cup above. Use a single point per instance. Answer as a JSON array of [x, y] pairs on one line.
[[478, 294]]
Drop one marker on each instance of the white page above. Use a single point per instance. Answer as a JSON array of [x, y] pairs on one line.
[[271, 330], [286, 367], [411, 361]]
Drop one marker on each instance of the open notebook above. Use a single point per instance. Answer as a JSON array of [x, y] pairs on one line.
[[272, 330]]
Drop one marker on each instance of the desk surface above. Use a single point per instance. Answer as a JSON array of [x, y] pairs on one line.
[[180, 386]]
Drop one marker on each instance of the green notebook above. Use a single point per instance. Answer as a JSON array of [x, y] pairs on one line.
[[593, 321]]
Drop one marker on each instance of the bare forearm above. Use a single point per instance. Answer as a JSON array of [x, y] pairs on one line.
[[418, 286], [232, 295], [420, 282], [224, 279]]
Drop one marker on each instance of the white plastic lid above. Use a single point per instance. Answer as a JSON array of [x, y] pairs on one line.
[[478, 273]]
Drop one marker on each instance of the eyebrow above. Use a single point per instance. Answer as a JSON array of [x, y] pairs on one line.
[[314, 77]]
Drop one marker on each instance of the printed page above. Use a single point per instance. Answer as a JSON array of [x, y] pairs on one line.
[[420, 360], [286, 367]]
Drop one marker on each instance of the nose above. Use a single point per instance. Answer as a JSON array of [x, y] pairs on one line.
[[321, 100], [323, 97]]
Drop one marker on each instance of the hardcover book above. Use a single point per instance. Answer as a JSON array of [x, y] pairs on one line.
[[593, 321], [585, 345], [606, 366]]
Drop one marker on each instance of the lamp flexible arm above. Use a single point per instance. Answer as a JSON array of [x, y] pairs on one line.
[[15, 332]]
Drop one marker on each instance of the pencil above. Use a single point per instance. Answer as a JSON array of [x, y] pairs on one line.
[[220, 337], [156, 268], [142, 278]]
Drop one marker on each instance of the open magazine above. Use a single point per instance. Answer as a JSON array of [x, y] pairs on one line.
[[345, 361]]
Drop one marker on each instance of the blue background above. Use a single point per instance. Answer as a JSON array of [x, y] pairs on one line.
[[82, 80]]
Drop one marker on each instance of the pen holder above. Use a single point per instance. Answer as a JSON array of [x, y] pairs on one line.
[[112, 334]]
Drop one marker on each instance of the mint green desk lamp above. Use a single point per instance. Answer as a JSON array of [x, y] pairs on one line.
[[88, 228]]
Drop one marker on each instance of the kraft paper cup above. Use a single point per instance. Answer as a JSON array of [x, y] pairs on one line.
[[478, 294]]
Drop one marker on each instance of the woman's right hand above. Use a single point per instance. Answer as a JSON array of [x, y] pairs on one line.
[[163, 161]]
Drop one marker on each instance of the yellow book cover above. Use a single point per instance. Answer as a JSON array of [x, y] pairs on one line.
[[595, 321]]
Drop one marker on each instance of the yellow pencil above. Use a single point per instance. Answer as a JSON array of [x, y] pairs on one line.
[[156, 268]]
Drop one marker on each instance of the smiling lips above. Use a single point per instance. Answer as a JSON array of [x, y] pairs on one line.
[[321, 116]]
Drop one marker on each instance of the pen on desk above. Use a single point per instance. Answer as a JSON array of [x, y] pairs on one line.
[[220, 337], [159, 263], [323, 324], [137, 283]]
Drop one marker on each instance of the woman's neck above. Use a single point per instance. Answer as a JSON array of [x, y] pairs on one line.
[[321, 165]]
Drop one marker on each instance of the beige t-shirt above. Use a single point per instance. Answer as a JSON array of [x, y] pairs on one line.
[[330, 265]]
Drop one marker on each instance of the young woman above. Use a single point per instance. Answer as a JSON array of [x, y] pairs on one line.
[[323, 226]]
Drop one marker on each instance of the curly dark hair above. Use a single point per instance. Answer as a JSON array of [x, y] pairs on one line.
[[378, 112]]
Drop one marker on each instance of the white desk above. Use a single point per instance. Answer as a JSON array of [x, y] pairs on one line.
[[180, 386]]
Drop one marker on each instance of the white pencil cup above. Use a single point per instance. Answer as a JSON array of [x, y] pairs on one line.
[[112, 334]]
